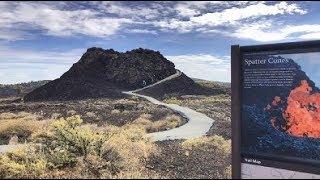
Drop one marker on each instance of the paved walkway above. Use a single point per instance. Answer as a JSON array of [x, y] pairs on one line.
[[198, 124]]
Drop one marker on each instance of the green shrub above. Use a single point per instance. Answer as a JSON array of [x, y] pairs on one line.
[[67, 148], [65, 139]]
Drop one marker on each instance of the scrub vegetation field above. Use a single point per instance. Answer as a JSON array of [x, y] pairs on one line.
[[108, 138]]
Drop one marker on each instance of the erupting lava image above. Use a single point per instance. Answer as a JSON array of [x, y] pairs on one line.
[[282, 121], [302, 114]]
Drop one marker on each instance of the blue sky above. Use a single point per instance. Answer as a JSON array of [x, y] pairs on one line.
[[41, 40], [309, 63]]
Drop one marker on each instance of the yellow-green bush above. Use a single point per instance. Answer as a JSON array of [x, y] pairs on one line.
[[67, 148], [65, 139]]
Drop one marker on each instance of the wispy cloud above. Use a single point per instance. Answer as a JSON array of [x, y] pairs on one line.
[[103, 19], [10, 55], [56, 22], [234, 14], [142, 31], [203, 66], [229, 17], [23, 66], [264, 32]]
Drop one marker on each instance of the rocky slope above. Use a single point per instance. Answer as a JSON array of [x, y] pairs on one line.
[[182, 85], [105, 73]]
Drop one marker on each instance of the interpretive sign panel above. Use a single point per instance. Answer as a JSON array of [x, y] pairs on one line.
[[276, 113]]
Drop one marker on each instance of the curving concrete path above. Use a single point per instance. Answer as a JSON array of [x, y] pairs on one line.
[[198, 124], [175, 75]]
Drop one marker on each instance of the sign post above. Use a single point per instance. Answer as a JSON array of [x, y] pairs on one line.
[[276, 110]]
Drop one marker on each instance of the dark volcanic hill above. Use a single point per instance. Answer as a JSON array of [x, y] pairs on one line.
[[105, 73]]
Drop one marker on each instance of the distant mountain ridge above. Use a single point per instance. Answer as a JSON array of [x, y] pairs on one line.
[[20, 89]]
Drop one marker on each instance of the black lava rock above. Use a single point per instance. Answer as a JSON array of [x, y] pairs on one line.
[[105, 73]]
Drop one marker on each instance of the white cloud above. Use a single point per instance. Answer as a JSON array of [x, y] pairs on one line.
[[256, 31], [203, 66], [12, 73], [102, 19], [310, 36], [11, 35], [184, 9], [265, 32], [143, 31], [235, 14], [55, 21], [141, 12], [228, 17], [301, 28], [193, 8], [307, 31], [22, 66], [53, 57]]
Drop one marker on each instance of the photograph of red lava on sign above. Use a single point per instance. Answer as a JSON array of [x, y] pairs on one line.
[[281, 106]]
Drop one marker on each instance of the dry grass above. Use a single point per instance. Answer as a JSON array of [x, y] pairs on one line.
[[19, 115], [94, 117], [135, 147], [167, 123], [21, 124], [212, 146], [22, 163], [173, 100], [55, 115], [115, 112], [222, 98], [71, 112], [215, 142], [126, 101], [198, 158]]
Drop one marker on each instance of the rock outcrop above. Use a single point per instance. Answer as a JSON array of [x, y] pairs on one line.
[[105, 73]]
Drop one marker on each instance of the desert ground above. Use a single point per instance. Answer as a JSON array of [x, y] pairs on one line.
[[108, 138]]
